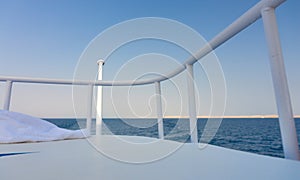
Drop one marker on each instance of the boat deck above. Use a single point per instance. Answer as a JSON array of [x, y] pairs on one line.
[[113, 157]]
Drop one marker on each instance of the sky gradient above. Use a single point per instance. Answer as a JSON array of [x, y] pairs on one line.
[[47, 38]]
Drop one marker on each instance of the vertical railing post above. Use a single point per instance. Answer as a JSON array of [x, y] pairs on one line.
[[99, 99], [284, 107], [192, 104], [7, 95], [159, 111], [89, 109]]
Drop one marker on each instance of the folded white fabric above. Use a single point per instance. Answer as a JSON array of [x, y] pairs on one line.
[[17, 127]]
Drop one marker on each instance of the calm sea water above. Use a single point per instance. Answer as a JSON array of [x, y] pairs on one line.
[[261, 136]]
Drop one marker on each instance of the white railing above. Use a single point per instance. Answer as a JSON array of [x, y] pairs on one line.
[[264, 9]]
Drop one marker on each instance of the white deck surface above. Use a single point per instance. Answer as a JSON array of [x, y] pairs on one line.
[[79, 160]]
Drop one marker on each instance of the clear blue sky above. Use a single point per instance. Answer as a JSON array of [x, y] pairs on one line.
[[46, 39]]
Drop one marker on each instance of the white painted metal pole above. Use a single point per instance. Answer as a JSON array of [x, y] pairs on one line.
[[192, 103], [7, 95], [159, 111], [284, 107], [89, 109], [99, 99]]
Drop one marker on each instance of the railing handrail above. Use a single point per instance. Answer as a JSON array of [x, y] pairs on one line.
[[230, 31]]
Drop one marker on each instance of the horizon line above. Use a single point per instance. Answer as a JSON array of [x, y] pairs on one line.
[[186, 117]]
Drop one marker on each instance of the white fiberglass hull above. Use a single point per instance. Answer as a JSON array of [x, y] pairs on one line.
[[79, 159]]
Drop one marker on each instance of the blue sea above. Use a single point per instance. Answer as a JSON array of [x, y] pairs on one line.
[[256, 135]]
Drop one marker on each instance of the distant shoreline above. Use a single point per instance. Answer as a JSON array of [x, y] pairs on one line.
[[235, 116], [183, 117]]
